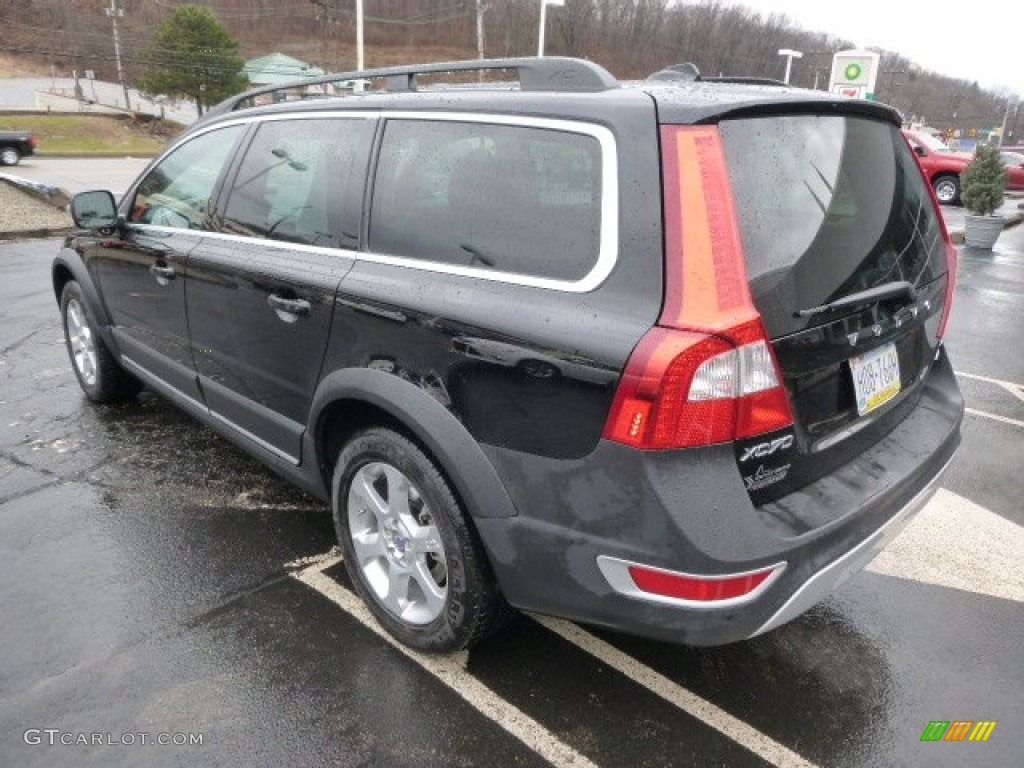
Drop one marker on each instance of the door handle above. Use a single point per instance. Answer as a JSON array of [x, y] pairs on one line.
[[289, 308], [162, 274]]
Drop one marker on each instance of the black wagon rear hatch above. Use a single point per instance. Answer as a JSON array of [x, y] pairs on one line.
[[848, 264]]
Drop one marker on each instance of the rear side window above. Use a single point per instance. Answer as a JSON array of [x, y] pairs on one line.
[[506, 198], [827, 206], [294, 180]]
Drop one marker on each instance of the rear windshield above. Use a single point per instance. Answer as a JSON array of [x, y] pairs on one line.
[[828, 206]]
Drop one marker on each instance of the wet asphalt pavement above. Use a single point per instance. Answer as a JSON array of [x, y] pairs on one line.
[[155, 580]]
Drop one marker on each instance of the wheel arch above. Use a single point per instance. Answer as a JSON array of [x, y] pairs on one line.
[[68, 266], [352, 399]]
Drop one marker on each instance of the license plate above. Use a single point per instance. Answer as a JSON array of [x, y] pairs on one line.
[[876, 377]]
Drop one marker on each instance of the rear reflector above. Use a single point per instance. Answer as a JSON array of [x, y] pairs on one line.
[[709, 591], [703, 588]]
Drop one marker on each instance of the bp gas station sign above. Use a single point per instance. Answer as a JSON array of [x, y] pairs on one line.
[[854, 74]]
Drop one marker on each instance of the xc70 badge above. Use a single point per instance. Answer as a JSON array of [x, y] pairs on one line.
[[761, 450]]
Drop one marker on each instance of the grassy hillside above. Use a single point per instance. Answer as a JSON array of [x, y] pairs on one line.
[[86, 134]]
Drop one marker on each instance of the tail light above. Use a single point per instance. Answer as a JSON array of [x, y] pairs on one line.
[[33, 142], [951, 259], [947, 302], [706, 373]]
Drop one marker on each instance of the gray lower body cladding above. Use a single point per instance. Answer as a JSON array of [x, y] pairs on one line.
[[689, 511]]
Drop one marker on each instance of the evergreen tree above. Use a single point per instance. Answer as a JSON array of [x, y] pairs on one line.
[[193, 54], [984, 181]]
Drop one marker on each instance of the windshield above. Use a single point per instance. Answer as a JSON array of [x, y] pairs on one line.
[[828, 206]]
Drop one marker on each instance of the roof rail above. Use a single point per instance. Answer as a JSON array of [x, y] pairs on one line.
[[741, 80], [676, 73], [549, 73], [688, 73]]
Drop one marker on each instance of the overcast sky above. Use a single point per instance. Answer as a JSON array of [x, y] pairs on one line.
[[981, 40]]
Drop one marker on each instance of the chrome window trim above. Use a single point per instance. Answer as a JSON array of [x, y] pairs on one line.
[[607, 255], [259, 241]]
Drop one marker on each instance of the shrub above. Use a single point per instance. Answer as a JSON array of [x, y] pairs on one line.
[[984, 181]]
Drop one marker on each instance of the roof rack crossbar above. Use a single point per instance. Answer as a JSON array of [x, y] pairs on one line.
[[549, 73]]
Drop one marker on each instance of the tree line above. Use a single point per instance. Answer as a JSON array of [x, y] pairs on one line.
[[631, 38]]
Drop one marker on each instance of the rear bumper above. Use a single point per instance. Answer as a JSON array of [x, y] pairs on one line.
[[688, 511], [832, 576]]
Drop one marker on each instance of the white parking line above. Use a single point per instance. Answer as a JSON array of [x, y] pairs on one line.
[[1017, 390], [743, 734], [451, 670], [994, 417], [956, 543]]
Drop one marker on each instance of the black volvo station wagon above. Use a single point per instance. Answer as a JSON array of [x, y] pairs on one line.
[[663, 357]]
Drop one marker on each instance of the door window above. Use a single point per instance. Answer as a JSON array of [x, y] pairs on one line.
[[295, 178], [506, 198], [178, 192]]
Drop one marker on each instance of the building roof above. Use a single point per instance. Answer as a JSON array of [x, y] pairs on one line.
[[277, 68]]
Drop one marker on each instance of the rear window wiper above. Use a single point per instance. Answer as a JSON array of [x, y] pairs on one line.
[[891, 290]]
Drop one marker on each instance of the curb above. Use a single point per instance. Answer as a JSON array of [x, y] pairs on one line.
[[35, 234], [101, 154], [55, 196]]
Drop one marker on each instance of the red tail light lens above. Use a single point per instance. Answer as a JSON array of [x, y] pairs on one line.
[[682, 389], [703, 589], [706, 374], [947, 303], [33, 142]]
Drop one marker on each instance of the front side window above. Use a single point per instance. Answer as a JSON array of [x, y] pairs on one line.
[[511, 199], [178, 192], [295, 178]]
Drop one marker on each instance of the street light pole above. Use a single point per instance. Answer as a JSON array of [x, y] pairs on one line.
[[543, 24], [114, 13], [790, 54], [359, 35]]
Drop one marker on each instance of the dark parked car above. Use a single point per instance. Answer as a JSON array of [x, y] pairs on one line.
[[665, 358], [15, 145]]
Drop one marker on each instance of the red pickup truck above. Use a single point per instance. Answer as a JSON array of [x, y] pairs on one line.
[[942, 166]]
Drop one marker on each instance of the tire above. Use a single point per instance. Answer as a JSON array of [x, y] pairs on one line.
[[408, 547], [9, 156], [98, 373], [947, 189]]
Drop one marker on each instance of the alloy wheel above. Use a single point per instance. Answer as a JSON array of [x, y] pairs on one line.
[[83, 346], [397, 545]]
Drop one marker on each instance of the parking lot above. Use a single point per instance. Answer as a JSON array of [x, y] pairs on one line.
[[155, 581]]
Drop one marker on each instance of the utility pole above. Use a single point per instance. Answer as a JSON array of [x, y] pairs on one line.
[[1006, 119], [115, 13]]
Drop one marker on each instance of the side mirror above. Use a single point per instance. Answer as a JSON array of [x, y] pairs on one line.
[[94, 210], [921, 151]]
